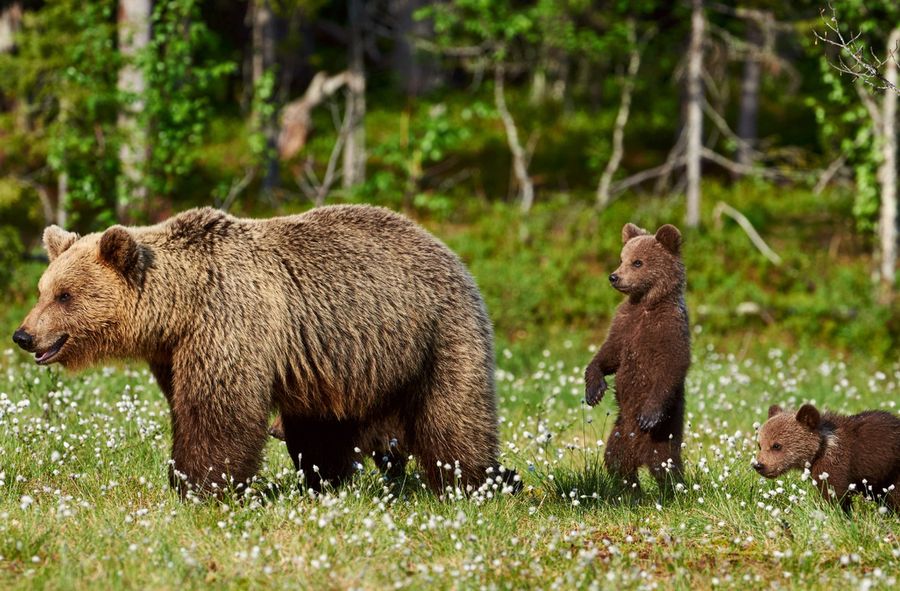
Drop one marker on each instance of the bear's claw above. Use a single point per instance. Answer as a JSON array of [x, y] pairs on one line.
[[593, 393], [648, 421]]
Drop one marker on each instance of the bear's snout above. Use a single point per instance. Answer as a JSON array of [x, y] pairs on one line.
[[759, 467], [24, 340], [613, 278]]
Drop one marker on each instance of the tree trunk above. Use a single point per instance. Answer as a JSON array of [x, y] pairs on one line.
[[10, 23], [694, 115], [634, 63], [411, 68], [520, 160], [354, 165], [134, 36], [887, 176], [264, 61], [749, 106]]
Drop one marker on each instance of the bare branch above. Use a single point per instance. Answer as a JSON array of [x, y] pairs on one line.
[[860, 63], [634, 64], [237, 187], [296, 116], [308, 181], [520, 166], [663, 169], [723, 208]]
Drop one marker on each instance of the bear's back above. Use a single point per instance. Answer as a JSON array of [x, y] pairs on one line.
[[347, 299]]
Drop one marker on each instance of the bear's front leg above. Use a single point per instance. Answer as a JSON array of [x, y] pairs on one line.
[[604, 363], [219, 429], [594, 385]]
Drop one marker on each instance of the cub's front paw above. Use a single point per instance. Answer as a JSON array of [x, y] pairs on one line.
[[647, 421], [594, 390]]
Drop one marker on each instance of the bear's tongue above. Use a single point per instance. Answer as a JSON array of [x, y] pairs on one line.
[[41, 357]]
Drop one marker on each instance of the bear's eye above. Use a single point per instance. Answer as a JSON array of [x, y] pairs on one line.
[[63, 297], [637, 264], [776, 446]]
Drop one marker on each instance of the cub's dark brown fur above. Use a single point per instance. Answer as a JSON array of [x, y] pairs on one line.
[[649, 350], [355, 324], [860, 453]]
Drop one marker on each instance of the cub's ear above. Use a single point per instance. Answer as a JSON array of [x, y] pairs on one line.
[[57, 241], [669, 236], [630, 231], [120, 250], [775, 410], [808, 416]]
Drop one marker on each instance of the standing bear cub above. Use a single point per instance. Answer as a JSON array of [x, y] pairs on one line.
[[361, 329], [845, 454], [649, 350]]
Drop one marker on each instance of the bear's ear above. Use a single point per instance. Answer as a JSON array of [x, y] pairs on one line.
[[630, 231], [808, 416], [775, 410], [669, 236], [120, 250], [57, 241]]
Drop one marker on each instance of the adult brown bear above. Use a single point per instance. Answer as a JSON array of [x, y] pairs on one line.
[[360, 328]]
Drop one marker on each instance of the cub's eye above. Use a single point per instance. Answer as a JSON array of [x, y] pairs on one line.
[[776, 446], [637, 264], [63, 297]]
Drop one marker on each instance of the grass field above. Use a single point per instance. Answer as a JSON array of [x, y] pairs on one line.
[[84, 500]]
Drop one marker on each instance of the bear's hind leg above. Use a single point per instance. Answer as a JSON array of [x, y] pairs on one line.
[[665, 463], [622, 457], [322, 449], [455, 434]]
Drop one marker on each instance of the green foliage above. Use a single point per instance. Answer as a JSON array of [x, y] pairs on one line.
[[556, 279], [842, 117], [177, 99], [264, 109], [404, 152], [10, 253], [65, 75]]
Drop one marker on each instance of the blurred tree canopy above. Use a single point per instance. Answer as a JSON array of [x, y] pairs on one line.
[[442, 104]]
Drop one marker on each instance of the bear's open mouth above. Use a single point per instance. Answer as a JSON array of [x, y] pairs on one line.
[[49, 354]]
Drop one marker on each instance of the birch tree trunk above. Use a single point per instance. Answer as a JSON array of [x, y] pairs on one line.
[[354, 165], [634, 64], [134, 36], [694, 115], [519, 158], [263, 61], [10, 23], [887, 176]]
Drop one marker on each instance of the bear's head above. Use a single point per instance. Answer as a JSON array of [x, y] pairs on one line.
[[651, 266], [85, 297], [788, 440]]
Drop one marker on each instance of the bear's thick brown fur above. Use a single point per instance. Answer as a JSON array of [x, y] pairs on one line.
[[860, 454], [359, 327], [648, 348]]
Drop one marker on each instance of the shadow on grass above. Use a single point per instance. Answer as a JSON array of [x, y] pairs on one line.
[[592, 486]]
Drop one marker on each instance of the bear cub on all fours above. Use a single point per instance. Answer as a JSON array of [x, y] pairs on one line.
[[649, 350], [858, 454]]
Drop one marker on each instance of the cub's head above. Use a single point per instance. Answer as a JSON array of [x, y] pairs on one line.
[[788, 440], [651, 264], [85, 297]]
